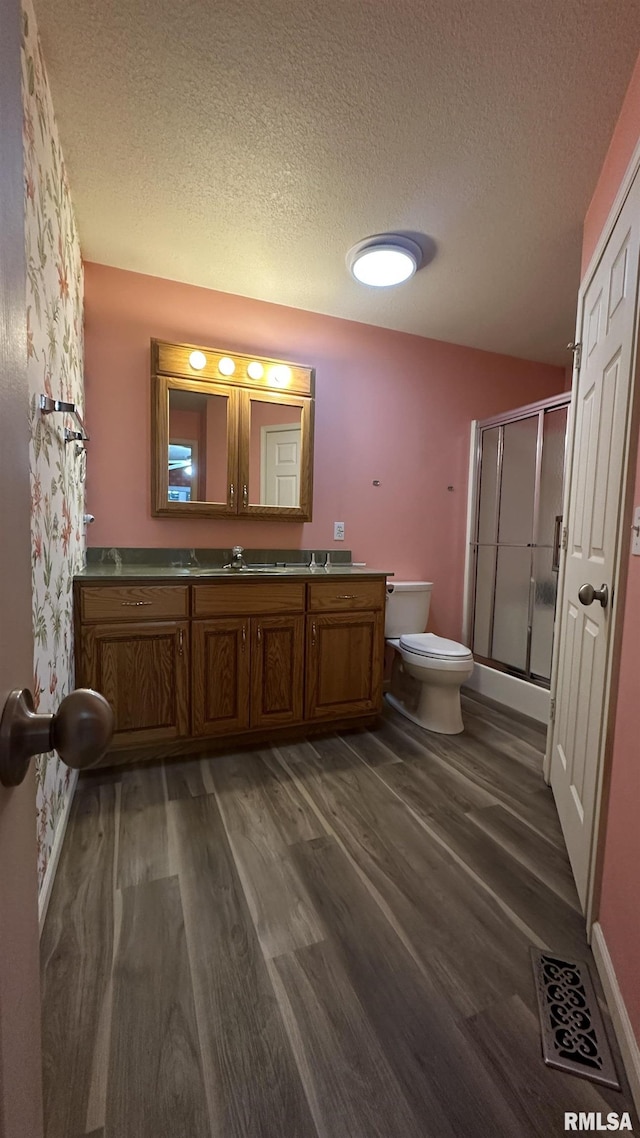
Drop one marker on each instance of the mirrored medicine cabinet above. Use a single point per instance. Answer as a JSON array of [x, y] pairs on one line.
[[232, 435]]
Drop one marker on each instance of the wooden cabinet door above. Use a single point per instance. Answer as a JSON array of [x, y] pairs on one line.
[[277, 663], [220, 676], [143, 670], [344, 664]]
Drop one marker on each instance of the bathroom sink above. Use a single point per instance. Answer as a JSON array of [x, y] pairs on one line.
[[275, 568], [203, 571], [249, 571]]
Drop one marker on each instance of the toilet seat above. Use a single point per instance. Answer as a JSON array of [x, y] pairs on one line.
[[434, 647]]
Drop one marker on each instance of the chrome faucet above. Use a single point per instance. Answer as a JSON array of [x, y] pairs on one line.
[[237, 560]]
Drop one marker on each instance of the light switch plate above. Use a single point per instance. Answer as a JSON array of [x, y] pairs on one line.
[[635, 541], [338, 531]]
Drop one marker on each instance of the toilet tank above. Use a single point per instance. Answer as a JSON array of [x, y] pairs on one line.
[[407, 607]]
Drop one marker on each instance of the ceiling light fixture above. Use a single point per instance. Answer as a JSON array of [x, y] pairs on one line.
[[385, 260]]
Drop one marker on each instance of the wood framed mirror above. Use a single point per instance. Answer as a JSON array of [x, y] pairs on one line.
[[232, 435]]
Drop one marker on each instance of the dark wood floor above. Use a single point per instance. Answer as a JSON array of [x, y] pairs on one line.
[[322, 940]]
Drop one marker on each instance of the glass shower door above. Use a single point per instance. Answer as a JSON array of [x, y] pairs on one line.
[[519, 503], [510, 645], [547, 549]]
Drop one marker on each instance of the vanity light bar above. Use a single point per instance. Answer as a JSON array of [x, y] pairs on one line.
[[215, 364]]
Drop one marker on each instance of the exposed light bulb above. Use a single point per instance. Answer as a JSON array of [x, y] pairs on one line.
[[255, 370], [280, 375], [226, 366], [198, 360]]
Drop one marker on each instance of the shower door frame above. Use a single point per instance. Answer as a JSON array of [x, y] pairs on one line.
[[528, 411]]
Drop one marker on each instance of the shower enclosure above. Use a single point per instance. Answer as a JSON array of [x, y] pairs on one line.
[[515, 538]]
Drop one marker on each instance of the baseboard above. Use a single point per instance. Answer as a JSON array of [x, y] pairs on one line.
[[52, 865], [621, 1022], [528, 699]]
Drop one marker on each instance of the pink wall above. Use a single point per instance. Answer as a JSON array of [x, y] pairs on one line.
[[620, 899], [621, 147], [389, 406]]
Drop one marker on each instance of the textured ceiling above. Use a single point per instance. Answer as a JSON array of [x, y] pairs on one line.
[[245, 146]]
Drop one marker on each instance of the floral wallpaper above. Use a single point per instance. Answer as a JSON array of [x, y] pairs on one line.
[[55, 367]]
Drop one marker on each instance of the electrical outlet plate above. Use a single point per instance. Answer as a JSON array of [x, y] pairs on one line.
[[338, 531], [635, 542]]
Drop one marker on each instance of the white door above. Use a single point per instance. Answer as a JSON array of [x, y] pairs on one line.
[[20, 1061], [600, 416], [280, 473]]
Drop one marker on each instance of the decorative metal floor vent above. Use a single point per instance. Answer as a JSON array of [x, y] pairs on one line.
[[573, 1033]]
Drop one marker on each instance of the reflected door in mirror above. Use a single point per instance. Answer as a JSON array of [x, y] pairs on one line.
[[275, 452], [198, 431]]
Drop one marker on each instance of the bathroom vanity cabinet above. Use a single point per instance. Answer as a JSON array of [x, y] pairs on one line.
[[132, 645], [345, 648], [184, 664]]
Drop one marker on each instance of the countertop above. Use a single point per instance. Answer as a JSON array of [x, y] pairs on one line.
[[112, 572]]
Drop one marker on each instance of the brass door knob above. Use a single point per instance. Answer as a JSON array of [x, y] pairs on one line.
[[80, 731]]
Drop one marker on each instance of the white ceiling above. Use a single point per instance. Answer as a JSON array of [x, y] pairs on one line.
[[245, 145]]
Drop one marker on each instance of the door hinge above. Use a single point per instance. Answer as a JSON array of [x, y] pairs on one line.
[[564, 537], [576, 347], [552, 711]]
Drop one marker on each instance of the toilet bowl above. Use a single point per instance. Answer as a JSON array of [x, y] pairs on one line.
[[428, 671]]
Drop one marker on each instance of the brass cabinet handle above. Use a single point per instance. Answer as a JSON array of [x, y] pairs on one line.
[[346, 597], [135, 604], [244, 638], [314, 633], [181, 642], [232, 492], [259, 633], [245, 495]]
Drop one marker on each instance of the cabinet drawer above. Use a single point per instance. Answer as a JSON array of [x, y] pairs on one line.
[[334, 596], [248, 598], [134, 602]]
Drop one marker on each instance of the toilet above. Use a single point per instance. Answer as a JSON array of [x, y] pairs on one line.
[[428, 670]]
